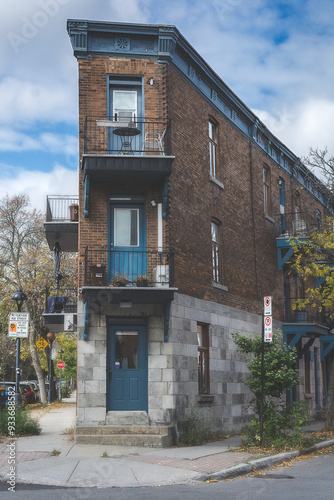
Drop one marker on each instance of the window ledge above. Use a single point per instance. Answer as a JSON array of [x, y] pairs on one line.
[[215, 181], [205, 399], [270, 218], [219, 286]]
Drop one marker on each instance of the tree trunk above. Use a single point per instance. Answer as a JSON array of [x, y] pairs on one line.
[[329, 410], [37, 366]]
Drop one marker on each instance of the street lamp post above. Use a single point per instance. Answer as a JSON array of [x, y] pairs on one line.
[[19, 297], [50, 336], [59, 389]]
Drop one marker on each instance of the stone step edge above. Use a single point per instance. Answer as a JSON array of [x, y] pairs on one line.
[[142, 440], [123, 430]]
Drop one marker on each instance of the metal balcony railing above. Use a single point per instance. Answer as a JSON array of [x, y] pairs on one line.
[[296, 225], [117, 135], [62, 208], [309, 314], [133, 267]]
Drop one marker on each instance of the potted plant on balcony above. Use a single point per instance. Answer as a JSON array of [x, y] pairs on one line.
[[141, 280], [120, 280]]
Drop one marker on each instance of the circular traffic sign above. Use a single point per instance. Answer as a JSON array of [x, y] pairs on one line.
[[61, 364], [267, 321]]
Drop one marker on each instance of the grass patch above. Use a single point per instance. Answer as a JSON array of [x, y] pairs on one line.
[[22, 425]]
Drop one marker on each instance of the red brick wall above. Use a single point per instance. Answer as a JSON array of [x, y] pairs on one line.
[[248, 238], [93, 71]]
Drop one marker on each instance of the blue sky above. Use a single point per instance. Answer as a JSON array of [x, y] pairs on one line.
[[278, 57]]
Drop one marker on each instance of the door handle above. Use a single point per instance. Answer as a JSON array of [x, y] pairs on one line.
[[110, 375]]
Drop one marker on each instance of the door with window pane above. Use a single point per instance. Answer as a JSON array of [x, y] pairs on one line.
[[125, 106], [127, 368], [127, 256]]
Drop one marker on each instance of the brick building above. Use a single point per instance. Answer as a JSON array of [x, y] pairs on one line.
[[185, 203]]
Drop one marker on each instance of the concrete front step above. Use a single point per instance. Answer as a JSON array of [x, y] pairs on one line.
[[151, 436]]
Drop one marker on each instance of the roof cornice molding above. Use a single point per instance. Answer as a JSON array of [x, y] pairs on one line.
[[165, 43]]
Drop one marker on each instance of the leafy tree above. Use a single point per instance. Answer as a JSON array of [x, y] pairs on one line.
[[27, 263], [313, 261], [279, 365], [281, 373]]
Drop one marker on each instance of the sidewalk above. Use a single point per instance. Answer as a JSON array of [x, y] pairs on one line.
[[52, 459]]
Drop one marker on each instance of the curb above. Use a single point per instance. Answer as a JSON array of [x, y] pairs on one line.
[[261, 463]]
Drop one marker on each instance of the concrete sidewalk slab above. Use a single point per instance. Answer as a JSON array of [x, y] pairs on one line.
[[123, 466]]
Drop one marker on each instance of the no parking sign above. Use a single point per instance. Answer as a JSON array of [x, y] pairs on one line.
[[268, 320]]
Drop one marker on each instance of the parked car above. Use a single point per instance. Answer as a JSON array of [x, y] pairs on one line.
[[2, 396], [28, 393], [35, 386]]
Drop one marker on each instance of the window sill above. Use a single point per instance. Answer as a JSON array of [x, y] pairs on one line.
[[270, 218], [205, 399], [215, 181], [219, 286]]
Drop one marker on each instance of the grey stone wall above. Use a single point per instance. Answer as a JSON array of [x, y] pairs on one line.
[[227, 410], [172, 365]]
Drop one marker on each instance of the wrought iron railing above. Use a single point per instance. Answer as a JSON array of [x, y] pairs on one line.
[[62, 208], [296, 225], [307, 314], [133, 267], [142, 136]]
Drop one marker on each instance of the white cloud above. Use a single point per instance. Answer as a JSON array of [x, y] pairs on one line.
[[302, 126], [12, 140], [25, 102], [37, 185]]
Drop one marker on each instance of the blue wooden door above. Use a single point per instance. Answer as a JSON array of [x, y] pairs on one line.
[[127, 256], [127, 368]]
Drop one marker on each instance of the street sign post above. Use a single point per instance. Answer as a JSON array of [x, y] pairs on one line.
[[268, 329], [18, 326], [267, 336]]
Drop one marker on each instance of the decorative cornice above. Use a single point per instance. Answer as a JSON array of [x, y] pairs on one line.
[[166, 43]]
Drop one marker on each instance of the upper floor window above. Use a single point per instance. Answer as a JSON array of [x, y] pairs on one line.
[[267, 190], [216, 252], [125, 105], [318, 219], [203, 359], [213, 148], [281, 186], [125, 97]]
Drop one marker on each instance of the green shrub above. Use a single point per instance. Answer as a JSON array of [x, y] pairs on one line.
[[23, 424], [192, 430], [282, 426]]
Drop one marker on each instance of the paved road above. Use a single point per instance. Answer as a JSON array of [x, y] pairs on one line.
[[308, 479]]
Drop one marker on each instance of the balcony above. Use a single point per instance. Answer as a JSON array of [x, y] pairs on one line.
[[61, 224], [60, 313], [135, 275], [115, 150], [289, 226], [309, 324]]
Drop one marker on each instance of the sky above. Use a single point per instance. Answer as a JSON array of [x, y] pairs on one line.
[[277, 56]]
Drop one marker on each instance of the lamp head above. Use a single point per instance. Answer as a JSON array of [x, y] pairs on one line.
[[19, 297]]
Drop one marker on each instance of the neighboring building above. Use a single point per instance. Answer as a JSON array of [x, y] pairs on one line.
[[185, 203]]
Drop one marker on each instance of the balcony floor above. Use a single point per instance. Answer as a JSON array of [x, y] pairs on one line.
[[120, 168]]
